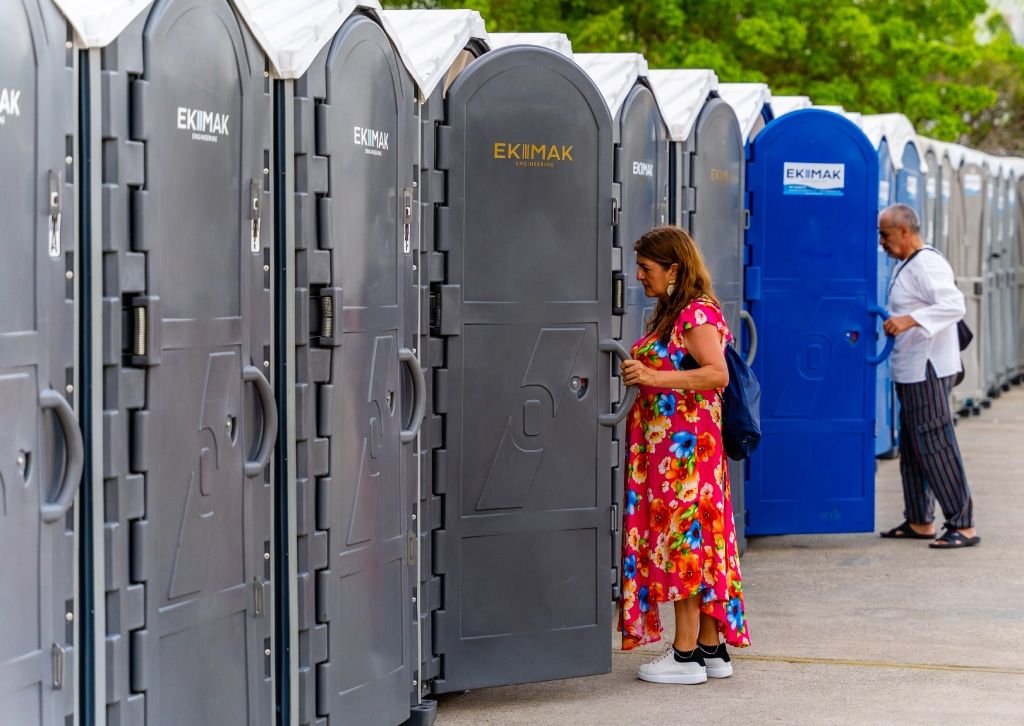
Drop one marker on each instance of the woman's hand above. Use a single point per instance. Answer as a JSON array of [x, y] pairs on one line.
[[635, 373]]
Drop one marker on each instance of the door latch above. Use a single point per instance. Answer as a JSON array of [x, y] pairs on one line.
[[407, 224], [255, 193], [58, 656], [56, 183]]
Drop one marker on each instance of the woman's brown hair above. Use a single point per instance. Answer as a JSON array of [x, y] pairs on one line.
[[667, 246]]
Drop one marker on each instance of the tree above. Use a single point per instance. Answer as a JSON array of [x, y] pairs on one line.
[[919, 57]]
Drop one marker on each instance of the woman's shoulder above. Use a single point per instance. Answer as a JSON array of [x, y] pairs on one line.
[[699, 311]]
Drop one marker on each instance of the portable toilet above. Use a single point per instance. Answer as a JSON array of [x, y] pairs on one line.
[[706, 162], [641, 171], [752, 104], [1005, 343], [813, 185], [989, 267], [641, 178], [41, 443], [1016, 197], [558, 42], [181, 414], [886, 421], [516, 248], [348, 306], [1011, 316], [970, 253], [781, 105]]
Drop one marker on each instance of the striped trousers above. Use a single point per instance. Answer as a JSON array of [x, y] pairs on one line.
[[930, 460]]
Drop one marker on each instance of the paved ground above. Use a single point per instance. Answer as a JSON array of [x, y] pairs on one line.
[[847, 629]]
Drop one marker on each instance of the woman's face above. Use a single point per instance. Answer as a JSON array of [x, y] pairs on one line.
[[654, 277]]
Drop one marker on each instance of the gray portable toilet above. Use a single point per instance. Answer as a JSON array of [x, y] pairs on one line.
[[641, 177], [781, 105], [1006, 265], [177, 129], [438, 46], [41, 448], [989, 271], [1016, 195], [970, 253], [707, 167], [347, 136], [641, 172], [752, 104], [932, 199], [518, 257]]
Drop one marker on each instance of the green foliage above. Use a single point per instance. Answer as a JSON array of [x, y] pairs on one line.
[[919, 57]]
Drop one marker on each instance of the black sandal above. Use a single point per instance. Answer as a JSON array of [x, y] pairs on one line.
[[904, 531], [954, 540]]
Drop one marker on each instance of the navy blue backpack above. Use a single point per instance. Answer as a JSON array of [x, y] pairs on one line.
[[741, 406]]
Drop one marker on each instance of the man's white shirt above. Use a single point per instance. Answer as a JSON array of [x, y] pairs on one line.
[[925, 289]]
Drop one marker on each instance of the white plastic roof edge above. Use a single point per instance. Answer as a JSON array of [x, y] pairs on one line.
[[747, 100], [98, 22], [431, 40], [781, 105], [898, 131], [973, 156], [293, 32], [681, 94], [614, 74], [558, 42]]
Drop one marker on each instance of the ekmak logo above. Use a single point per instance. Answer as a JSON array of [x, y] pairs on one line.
[[374, 142], [9, 103], [206, 126]]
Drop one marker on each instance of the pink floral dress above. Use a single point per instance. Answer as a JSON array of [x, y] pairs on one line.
[[679, 536]]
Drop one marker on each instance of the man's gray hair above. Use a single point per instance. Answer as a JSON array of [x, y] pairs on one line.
[[903, 215]]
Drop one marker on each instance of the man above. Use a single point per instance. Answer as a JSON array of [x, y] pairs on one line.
[[925, 306]]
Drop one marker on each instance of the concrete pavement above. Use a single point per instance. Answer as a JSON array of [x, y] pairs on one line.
[[847, 629]]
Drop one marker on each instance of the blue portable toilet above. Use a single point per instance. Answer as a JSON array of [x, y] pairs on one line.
[[812, 290]]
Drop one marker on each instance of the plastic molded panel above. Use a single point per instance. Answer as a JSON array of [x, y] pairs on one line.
[[37, 127], [814, 259]]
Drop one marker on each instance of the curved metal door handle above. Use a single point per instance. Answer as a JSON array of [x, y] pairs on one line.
[[419, 392], [890, 341], [268, 437], [610, 345], [53, 401], [752, 329]]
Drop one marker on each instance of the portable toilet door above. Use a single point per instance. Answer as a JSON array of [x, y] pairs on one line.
[[41, 450], [1007, 289], [521, 322], [348, 136], [813, 184], [1018, 242], [641, 181], [1012, 317], [183, 350], [885, 420], [706, 162], [970, 277]]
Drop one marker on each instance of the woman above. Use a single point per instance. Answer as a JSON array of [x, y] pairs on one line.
[[680, 540]]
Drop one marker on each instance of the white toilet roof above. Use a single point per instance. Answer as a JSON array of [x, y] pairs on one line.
[[782, 105], [897, 131], [558, 42], [431, 40], [98, 22], [747, 100], [681, 94], [614, 74]]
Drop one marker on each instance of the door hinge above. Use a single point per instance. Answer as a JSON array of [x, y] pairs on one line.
[[330, 309], [746, 219], [407, 224], [616, 212], [618, 293], [255, 194], [56, 203], [145, 343], [615, 518]]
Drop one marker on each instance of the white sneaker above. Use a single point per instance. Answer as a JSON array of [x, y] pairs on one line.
[[716, 661], [667, 669]]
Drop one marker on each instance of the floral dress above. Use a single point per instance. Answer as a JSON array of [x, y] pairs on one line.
[[679, 536]]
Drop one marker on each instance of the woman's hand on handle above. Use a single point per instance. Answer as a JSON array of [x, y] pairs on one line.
[[635, 373]]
